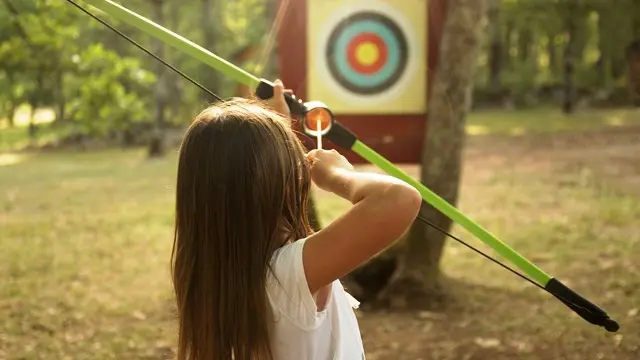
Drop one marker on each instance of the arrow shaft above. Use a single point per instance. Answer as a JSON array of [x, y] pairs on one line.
[[169, 37]]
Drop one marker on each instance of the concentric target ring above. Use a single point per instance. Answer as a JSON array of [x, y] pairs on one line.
[[367, 53]]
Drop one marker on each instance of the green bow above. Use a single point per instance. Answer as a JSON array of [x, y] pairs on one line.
[[344, 138]]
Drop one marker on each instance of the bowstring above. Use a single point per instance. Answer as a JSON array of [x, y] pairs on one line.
[[271, 35], [185, 76], [441, 230]]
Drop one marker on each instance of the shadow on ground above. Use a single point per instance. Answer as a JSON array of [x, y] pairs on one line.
[[481, 322]]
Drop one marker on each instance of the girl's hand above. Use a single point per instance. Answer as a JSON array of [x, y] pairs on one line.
[[326, 166], [277, 102]]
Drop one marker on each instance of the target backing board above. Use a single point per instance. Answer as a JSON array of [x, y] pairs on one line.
[[367, 56], [368, 61]]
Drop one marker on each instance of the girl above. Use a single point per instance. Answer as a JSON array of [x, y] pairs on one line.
[[252, 280]]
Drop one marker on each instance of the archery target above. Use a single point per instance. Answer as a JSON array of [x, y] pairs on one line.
[[367, 53], [368, 56]]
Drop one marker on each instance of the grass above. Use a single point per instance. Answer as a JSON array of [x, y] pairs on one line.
[[547, 120], [86, 239]]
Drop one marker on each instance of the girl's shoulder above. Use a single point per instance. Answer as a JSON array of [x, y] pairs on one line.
[[289, 293]]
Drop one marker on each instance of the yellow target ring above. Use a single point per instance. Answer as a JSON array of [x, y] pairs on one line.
[[367, 53]]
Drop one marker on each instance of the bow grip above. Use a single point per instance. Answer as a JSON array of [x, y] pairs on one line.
[[265, 91]]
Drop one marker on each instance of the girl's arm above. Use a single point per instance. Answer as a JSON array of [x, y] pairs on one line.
[[384, 208]]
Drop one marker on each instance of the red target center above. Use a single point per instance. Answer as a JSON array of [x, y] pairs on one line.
[[367, 53]]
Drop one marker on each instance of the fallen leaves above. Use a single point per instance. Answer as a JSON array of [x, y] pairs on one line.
[[139, 315], [487, 342], [617, 339]]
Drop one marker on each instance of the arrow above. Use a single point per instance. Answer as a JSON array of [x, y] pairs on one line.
[[344, 138]]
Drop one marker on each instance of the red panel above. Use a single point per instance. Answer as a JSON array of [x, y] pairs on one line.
[[399, 138]]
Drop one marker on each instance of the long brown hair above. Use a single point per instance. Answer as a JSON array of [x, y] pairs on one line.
[[242, 189]]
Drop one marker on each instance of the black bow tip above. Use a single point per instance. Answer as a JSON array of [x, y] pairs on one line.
[[611, 325]]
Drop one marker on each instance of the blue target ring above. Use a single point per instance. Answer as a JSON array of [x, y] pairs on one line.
[[394, 45]]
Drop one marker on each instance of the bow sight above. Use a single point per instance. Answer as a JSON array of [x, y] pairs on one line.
[[317, 118]]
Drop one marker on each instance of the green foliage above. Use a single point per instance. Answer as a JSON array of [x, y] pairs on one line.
[[53, 55], [107, 92], [602, 31]]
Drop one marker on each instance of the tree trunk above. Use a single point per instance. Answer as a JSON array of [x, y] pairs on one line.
[[633, 57], [635, 20], [602, 66], [495, 47], [507, 63], [173, 80], [34, 103], [553, 56], [156, 142], [524, 44], [211, 19], [32, 129], [59, 97], [11, 113], [416, 281], [633, 60], [569, 58]]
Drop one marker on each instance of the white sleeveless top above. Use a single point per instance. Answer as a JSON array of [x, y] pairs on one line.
[[301, 332]]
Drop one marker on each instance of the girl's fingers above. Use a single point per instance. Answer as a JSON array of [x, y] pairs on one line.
[[278, 89], [312, 154], [278, 101]]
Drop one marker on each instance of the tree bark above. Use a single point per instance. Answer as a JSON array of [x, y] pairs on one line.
[[495, 47], [156, 143], [34, 99], [525, 38], [633, 60], [553, 56], [635, 20], [416, 280], [603, 60], [507, 61], [174, 83], [569, 58], [60, 99], [11, 113]]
